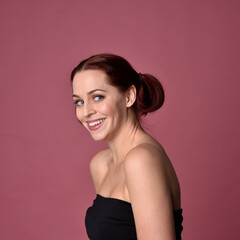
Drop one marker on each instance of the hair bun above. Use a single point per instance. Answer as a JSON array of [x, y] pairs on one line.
[[150, 96]]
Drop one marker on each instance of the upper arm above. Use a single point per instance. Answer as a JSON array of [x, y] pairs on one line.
[[149, 190]]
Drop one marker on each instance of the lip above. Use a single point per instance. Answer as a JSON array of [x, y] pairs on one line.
[[96, 127], [90, 121]]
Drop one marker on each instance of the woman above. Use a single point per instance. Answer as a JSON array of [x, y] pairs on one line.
[[138, 194]]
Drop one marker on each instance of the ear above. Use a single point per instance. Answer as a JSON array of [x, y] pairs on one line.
[[131, 96]]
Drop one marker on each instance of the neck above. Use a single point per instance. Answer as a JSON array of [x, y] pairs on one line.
[[126, 139]]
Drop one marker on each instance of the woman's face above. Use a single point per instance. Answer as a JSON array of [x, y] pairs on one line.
[[100, 107]]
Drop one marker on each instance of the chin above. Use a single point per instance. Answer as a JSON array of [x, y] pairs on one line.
[[98, 138]]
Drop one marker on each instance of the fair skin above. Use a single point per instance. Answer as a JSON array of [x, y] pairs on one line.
[[135, 168]]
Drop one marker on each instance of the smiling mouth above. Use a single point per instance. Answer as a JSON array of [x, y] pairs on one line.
[[92, 124], [96, 124]]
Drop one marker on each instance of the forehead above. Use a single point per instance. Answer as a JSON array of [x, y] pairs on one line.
[[89, 79]]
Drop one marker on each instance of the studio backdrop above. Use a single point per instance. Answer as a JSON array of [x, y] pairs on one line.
[[191, 46]]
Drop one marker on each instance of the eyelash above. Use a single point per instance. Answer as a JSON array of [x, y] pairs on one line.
[[77, 101], [99, 96]]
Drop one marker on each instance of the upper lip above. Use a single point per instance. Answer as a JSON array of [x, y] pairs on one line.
[[90, 121]]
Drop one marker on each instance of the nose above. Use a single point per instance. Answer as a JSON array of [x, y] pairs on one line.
[[88, 109]]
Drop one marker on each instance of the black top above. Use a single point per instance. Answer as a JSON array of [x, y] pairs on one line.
[[112, 219]]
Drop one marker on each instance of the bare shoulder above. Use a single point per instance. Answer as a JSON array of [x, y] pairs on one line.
[[148, 158], [146, 155], [149, 181], [99, 166], [99, 159], [146, 165]]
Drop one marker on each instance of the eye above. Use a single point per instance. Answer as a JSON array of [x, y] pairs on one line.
[[98, 97], [78, 102]]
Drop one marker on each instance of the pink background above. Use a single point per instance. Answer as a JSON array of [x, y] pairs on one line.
[[192, 46]]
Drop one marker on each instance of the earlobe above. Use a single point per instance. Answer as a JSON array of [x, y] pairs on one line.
[[131, 96]]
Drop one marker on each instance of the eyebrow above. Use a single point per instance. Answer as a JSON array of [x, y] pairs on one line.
[[92, 91]]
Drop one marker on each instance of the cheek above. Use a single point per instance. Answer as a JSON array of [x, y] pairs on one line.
[[112, 108], [78, 114], [107, 109]]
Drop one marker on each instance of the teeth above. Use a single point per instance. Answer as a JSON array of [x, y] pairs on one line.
[[92, 124]]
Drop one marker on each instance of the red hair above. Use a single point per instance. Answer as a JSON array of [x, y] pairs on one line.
[[150, 93]]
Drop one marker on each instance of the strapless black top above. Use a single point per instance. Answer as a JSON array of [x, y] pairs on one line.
[[112, 219]]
